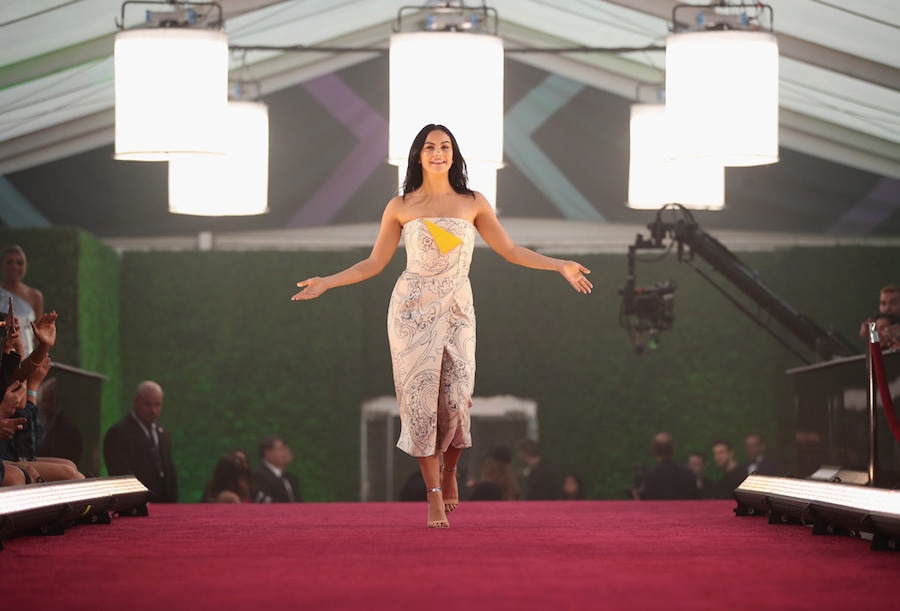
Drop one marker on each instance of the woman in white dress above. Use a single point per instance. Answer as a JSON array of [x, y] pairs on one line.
[[431, 319]]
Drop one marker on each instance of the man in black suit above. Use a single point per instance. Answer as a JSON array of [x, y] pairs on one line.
[[269, 482], [136, 445], [757, 461], [667, 480], [540, 484]]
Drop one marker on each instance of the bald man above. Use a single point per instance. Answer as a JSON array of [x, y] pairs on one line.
[[137, 445]]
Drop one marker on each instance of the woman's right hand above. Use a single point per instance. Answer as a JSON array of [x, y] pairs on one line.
[[313, 288]]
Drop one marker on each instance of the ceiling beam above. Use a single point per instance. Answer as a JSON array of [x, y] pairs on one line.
[[795, 48]]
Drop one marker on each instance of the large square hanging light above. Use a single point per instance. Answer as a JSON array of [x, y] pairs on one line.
[[655, 179], [171, 88], [420, 93], [234, 184], [722, 88]]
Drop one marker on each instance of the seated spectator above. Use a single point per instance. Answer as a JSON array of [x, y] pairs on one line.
[[230, 481], [269, 481], [697, 465], [667, 480], [732, 474], [497, 481], [540, 485], [572, 489], [21, 394]]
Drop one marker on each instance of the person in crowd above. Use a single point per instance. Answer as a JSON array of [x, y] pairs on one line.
[[497, 481], [540, 484], [667, 480], [757, 461], [888, 328], [413, 488], [431, 316], [21, 379], [888, 303], [697, 465], [28, 302], [230, 481], [61, 438], [137, 445], [270, 482], [572, 488], [732, 473]]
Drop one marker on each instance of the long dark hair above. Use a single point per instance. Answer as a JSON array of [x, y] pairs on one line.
[[459, 178]]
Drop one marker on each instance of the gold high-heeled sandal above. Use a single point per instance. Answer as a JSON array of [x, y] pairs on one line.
[[450, 504], [437, 523]]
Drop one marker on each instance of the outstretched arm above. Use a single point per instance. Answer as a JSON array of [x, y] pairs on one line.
[[382, 252], [496, 237]]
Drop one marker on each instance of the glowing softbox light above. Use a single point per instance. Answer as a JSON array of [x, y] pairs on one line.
[[171, 89], [722, 96], [472, 109], [655, 179], [230, 185]]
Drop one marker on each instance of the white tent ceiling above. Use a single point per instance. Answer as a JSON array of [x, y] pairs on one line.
[[840, 63]]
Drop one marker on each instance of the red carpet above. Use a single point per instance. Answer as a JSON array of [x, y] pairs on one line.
[[576, 555]]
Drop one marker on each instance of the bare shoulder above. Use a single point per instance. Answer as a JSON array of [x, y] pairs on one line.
[[35, 295], [483, 206], [393, 209]]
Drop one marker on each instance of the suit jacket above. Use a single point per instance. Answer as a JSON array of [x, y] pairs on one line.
[[667, 481], [266, 487], [128, 451], [540, 485], [765, 466]]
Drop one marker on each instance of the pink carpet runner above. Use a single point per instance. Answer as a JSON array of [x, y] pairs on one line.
[[502, 555]]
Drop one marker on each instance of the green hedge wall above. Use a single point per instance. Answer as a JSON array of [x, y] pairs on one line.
[[237, 359]]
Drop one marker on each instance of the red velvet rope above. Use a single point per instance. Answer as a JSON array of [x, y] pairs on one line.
[[886, 399]]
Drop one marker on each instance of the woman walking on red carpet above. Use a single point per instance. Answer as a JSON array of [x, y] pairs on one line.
[[431, 318]]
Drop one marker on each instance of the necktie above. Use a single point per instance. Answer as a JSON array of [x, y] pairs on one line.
[[288, 488], [154, 450]]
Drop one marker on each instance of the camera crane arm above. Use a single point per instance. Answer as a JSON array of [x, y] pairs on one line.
[[688, 235]]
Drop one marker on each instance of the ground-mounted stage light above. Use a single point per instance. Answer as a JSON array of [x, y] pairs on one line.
[[51, 507], [826, 505]]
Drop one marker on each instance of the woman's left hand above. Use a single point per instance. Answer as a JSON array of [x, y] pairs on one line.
[[575, 274]]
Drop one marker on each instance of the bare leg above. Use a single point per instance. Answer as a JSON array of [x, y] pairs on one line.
[[431, 473], [12, 476], [449, 487], [54, 471]]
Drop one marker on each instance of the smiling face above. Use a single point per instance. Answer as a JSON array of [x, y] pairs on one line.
[[437, 154]]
